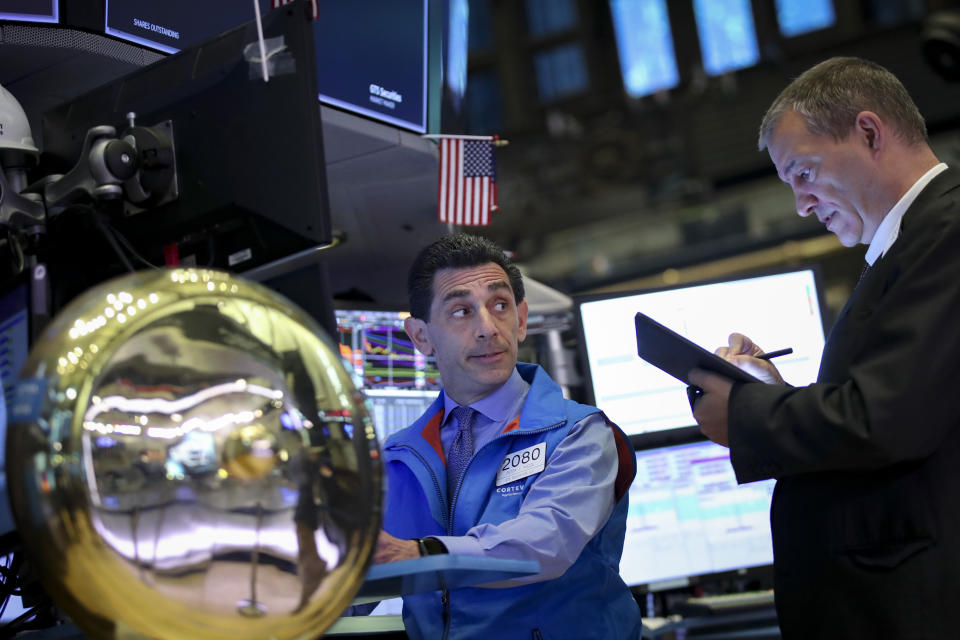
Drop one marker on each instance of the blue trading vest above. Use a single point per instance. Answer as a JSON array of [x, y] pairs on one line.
[[589, 600]]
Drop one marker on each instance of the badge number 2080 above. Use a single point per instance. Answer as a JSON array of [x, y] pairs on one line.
[[523, 463]]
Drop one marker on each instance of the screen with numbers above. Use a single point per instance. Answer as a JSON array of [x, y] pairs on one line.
[[689, 517]]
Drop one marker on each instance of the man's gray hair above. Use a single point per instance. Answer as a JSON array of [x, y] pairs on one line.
[[831, 94]]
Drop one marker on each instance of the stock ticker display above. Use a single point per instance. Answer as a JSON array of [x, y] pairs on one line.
[[398, 381]]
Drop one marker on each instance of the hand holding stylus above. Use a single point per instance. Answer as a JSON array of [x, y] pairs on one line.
[[742, 351]]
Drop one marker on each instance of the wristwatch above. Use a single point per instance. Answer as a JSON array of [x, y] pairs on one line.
[[430, 546]]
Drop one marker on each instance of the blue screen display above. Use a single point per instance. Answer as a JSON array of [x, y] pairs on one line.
[[796, 17], [728, 39], [645, 44]]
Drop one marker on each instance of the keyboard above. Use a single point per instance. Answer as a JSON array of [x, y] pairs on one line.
[[726, 602]]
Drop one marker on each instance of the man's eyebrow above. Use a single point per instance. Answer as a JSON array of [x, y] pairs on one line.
[[463, 293], [787, 169], [499, 284], [455, 293]]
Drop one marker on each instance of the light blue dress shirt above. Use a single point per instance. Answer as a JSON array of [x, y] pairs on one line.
[[569, 502]]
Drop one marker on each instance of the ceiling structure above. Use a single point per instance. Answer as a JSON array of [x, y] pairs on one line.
[[597, 190], [600, 190]]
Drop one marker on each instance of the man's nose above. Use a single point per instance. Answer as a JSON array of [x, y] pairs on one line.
[[806, 204], [485, 326]]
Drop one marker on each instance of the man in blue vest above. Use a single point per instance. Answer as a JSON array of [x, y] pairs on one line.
[[502, 466]]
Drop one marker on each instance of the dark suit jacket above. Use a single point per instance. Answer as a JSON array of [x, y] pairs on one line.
[[866, 512]]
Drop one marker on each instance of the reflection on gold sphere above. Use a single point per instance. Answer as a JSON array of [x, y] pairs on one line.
[[198, 466], [249, 452]]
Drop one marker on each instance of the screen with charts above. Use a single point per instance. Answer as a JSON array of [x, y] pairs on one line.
[[689, 517], [372, 56], [776, 311], [398, 381]]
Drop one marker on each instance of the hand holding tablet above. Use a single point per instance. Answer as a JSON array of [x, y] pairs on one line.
[[671, 352]]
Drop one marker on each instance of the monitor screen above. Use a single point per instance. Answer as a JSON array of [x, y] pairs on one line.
[[372, 59], [689, 517], [173, 25], [797, 17], [371, 56], [30, 10], [14, 344], [775, 310], [398, 381], [645, 46], [728, 39]]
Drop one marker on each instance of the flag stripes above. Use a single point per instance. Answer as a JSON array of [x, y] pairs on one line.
[[467, 185]]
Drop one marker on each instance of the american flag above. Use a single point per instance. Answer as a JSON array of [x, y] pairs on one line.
[[468, 181], [279, 3]]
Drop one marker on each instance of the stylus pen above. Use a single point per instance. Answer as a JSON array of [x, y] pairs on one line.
[[776, 354]]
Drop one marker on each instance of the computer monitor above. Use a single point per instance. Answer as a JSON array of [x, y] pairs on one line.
[[173, 25], [689, 519], [776, 310], [249, 155], [372, 56], [14, 346], [399, 382], [47, 11]]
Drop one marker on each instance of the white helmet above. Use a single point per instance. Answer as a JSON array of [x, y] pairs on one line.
[[14, 126]]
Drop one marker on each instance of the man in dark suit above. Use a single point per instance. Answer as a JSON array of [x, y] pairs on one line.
[[866, 512]]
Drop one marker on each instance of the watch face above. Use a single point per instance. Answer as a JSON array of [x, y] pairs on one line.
[[431, 547]]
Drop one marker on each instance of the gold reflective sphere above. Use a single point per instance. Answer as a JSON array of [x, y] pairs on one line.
[[198, 464]]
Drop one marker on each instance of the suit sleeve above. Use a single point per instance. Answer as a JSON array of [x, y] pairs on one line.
[[887, 382]]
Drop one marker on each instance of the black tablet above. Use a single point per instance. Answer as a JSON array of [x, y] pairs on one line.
[[671, 352]]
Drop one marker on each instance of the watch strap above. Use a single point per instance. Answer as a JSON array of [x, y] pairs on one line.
[[430, 547]]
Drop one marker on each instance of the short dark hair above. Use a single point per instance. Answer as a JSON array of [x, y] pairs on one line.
[[831, 94], [456, 251]]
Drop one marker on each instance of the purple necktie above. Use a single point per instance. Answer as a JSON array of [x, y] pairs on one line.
[[461, 449]]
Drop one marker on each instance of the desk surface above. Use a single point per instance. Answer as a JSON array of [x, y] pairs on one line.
[[441, 571]]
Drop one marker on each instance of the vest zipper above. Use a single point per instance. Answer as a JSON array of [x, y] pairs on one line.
[[445, 593], [456, 492]]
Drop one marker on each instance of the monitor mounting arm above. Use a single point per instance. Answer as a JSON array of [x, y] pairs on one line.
[[139, 168]]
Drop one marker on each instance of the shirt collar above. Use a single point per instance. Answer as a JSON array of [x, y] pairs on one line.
[[495, 406], [889, 229]]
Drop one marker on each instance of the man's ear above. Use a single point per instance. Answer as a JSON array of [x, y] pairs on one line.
[[871, 129], [522, 311], [417, 330]]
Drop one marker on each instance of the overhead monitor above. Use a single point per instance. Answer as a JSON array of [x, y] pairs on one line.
[[399, 382], [30, 10], [689, 518], [796, 17], [776, 310], [173, 25], [250, 168], [728, 39], [645, 46], [371, 56], [372, 59]]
